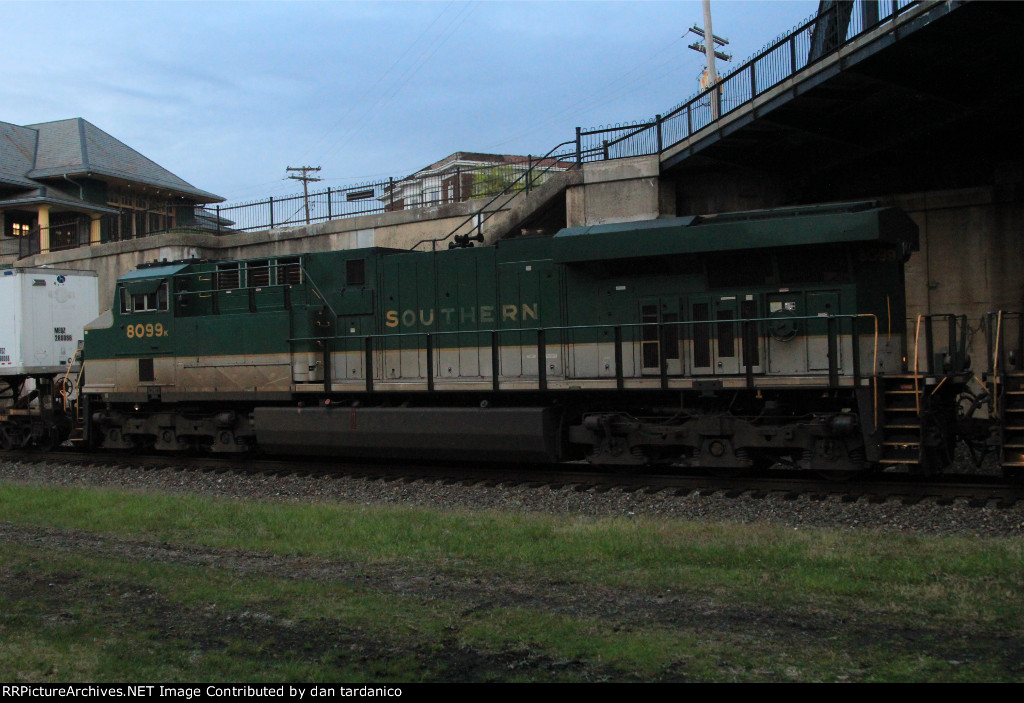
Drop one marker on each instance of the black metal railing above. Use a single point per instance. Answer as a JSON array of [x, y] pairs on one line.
[[796, 50], [441, 187], [270, 213], [537, 172], [56, 237]]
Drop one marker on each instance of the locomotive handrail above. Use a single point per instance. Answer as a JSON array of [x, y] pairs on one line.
[[65, 384], [373, 342], [995, 365], [956, 350], [998, 322], [211, 291], [874, 367], [1002, 324], [569, 328]]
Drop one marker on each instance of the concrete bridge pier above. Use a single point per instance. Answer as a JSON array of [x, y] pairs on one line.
[[622, 190]]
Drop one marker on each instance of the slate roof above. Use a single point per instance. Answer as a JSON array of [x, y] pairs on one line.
[[75, 147], [17, 154]]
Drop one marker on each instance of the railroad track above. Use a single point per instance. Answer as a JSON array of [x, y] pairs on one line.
[[976, 490]]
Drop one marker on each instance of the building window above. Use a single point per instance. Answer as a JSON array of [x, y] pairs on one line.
[[18, 223], [140, 214]]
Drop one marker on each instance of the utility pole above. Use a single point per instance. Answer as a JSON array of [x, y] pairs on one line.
[[708, 49], [305, 178], [709, 53]]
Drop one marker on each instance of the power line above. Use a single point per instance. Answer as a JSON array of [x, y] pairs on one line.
[[410, 71], [354, 104]]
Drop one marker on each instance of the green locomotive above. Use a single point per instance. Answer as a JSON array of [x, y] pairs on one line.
[[723, 342]]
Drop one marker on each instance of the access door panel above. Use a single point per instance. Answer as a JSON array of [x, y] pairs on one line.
[[822, 304], [726, 340], [699, 333], [787, 343], [660, 336], [752, 336]]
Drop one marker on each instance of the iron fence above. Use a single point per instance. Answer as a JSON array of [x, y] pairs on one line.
[[77, 231], [807, 43], [272, 212], [66, 235]]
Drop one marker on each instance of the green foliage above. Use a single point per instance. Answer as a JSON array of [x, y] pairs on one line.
[[491, 181]]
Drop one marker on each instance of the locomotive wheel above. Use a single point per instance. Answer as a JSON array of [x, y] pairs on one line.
[[47, 438], [6, 441], [21, 436]]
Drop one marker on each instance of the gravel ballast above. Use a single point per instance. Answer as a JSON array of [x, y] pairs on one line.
[[924, 517]]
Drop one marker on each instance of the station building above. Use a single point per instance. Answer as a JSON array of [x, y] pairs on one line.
[[67, 184]]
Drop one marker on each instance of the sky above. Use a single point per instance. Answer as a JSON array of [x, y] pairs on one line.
[[227, 95]]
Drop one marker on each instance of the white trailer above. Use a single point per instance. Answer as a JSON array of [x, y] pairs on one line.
[[43, 313], [42, 316]]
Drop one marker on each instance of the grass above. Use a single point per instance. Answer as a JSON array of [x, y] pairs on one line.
[[119, 586]]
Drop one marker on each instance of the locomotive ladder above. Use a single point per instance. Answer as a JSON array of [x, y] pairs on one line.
[[901, 425], [1011, 425], [1005, 384], [917, 424]]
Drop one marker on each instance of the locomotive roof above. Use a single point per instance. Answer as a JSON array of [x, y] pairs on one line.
[[154, 271], [735, 231]]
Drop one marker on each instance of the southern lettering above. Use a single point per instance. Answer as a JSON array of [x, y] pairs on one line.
[[462, 317]]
